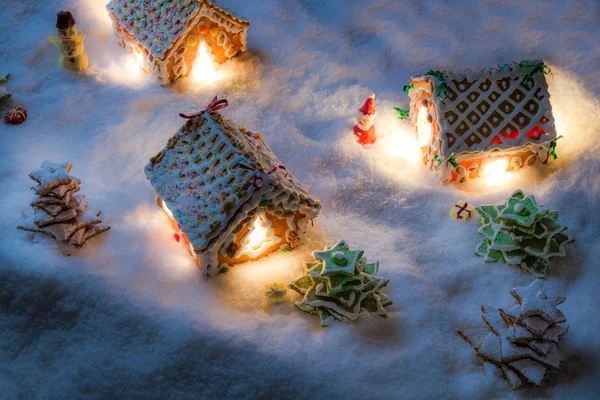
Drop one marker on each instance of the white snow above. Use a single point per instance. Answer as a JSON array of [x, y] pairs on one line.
[[129, 316]]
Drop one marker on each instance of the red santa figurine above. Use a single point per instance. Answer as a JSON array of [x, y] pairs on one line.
[[364, 129]]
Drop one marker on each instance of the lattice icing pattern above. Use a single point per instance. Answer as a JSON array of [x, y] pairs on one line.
[[522, 341], [499, 108], [215, 176]]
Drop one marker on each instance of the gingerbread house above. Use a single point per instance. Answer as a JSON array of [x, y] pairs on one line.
[[472, 121], [228, 196], [166, 36]]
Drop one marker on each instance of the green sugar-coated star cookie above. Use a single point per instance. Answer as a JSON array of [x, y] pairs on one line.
[[338, 259], [339, 284], [522, 233]]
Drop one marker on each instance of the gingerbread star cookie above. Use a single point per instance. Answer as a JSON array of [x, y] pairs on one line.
[[534, 301], [52, 174]]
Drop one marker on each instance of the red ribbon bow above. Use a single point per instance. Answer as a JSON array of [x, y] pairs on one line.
[[214, 105]]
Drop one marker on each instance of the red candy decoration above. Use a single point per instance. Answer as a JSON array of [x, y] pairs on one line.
[[176, 237], [15, 116], [536, 133]]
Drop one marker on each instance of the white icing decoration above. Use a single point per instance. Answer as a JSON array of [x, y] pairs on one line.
[[516, 162]]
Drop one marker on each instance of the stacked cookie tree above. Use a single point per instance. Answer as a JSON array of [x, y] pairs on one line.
[[340, 283], [57, 211], [522, 341], [519, 232]]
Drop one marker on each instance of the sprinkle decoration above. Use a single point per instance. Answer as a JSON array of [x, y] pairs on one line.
[[442, 87], [406, 88], [15, 116], [403, 114], [214, 105]]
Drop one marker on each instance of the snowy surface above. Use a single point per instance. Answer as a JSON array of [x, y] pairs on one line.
[[129, 316]]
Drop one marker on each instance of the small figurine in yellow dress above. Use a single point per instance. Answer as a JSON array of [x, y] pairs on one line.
[[72, 55]]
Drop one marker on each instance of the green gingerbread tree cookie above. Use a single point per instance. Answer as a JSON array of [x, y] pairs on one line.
[[521, 233], [339, 284]]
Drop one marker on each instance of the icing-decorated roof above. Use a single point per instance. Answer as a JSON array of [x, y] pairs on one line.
[[157, 24], [502, 107], [213, 171]]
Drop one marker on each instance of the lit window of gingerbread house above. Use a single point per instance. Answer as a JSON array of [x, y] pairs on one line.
[[473, 122], [227, 194], [166, 36]]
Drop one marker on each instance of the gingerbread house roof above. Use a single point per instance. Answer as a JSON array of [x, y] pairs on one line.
[[213, 171], [157, 24], [499, 108]]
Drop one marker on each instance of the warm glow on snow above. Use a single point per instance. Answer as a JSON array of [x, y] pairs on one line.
[[424, 127], [204, 68], [126, 70], [400, 144], [495, 173], [135, 63]]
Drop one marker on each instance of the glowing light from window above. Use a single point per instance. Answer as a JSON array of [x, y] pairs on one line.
[[494, 172], [163, 205], [204, 68], [424, 127], [400, 144], [256, 238]]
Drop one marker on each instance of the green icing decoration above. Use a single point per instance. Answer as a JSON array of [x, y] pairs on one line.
[[553, 147], [334, 289], [521, 233], [407, 88], [537, 67], [452, 161], [402, 114], [263, 204], [442, 88]]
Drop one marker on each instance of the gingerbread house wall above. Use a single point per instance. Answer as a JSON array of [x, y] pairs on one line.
[[150, 65], [179, 60], [223, 46], [228, 256], [470, 165]]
